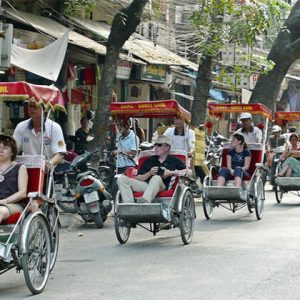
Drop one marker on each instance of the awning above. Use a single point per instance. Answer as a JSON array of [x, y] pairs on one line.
[[56, 30], [139, 46], [292, 77]]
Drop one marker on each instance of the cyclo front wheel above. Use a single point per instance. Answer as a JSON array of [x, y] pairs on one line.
[[207, 204], [187, 218], [122, 230], [37, 257]]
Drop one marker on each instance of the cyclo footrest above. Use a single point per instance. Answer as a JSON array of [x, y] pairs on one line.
[[230, 193], [142, 212]]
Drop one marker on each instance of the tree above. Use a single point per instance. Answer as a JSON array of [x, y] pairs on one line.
[[284, 52], [123, 26], [219, 22]]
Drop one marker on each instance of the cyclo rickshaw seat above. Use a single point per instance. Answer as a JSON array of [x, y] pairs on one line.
[[229, 191], [256, 157], [35, 165], [157, 211], [143, 156]]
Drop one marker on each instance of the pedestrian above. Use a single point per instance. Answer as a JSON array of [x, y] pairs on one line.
[[83, 136]]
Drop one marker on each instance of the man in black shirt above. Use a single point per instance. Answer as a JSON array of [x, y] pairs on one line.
[[154, 175], [83, 136]]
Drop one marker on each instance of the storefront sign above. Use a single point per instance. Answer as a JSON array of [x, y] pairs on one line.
[[123, 69], [154, 73], [76, 96]]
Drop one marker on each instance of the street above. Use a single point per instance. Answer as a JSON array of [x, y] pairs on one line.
[[232, 256]]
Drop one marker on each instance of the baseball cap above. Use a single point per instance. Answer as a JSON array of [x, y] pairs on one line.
[[276, 128], [162, 139], [245, 115]]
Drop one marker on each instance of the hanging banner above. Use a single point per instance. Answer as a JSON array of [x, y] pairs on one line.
[[45, 62]]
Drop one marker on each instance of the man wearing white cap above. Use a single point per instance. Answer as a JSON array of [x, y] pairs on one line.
[[154, 175], [250, 133]]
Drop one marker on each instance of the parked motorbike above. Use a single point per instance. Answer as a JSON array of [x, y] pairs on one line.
[[91, 199], [214, 147], [65, 181]]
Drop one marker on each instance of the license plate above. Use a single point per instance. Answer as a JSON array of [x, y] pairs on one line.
[[91, 197]]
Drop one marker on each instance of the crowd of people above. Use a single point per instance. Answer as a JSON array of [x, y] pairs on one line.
[[155, 173]]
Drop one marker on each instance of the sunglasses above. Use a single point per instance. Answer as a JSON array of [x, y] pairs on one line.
[[160, 145]]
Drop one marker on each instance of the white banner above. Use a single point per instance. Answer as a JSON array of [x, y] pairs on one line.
[[45, 62]]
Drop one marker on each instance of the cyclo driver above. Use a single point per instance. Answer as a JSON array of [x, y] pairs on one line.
[[28, 136]]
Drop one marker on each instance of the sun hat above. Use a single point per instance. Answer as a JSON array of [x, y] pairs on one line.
[[162, 139], [245, 115], [276, 128]]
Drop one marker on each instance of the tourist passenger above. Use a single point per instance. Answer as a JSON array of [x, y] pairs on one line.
[[13, 179], [238, 162], [154, 175]]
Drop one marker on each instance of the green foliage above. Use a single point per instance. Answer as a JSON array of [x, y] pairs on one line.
[[79, 8], [223, 21], [219, 22]]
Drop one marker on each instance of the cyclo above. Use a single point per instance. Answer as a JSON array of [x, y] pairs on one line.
[[172, 208], [29, 240], [283, 185], [251, 194]]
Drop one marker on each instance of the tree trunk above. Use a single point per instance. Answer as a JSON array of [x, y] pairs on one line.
[[284, 52], [123, 26], [203, 84]]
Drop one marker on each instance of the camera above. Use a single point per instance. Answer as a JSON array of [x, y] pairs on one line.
[[160, 171]]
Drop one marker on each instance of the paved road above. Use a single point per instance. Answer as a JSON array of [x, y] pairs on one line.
[[232, 256]]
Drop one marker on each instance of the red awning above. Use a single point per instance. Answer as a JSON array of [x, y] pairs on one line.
[[49, 96], [149, 109]]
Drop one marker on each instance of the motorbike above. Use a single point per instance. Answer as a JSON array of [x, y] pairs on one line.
[[214, 146], [90, 198], [65, 181]]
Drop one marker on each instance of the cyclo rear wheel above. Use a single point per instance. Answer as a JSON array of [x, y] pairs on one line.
[[278, 193], [54, 228], [37, 257], [187, 218], [259, 197]]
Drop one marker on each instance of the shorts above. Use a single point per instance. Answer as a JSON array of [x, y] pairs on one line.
[[14, 207], [238, 172]]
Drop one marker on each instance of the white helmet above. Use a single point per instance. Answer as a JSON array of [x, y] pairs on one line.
[[276, 128]]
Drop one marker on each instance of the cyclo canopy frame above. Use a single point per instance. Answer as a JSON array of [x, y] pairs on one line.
[[287, 116], [217, 110], [149, 109]]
